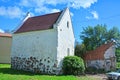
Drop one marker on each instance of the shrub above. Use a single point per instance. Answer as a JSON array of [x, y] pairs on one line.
[[118, 65], [73, 65]]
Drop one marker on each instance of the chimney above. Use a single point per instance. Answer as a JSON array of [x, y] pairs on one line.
[[26, 17]]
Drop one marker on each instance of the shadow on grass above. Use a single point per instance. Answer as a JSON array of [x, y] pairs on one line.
[[21, 72], [15, 72]]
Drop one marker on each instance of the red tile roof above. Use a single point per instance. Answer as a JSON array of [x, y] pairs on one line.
[[5, 35], [39, 23], [97, 54]]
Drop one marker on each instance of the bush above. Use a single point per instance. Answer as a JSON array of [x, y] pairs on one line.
[[73, 65], [118, 65]]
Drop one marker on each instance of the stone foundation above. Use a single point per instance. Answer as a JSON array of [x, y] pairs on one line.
[[32, 64]]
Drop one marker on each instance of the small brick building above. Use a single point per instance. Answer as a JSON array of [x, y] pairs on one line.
[[102, 58]]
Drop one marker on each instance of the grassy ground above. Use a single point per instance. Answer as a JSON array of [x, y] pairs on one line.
[[6, 73]]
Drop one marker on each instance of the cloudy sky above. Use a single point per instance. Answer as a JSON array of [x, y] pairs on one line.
[[84, 12]]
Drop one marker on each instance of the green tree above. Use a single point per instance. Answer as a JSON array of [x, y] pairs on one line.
[[80, 50], [95, 36], [118, 54]]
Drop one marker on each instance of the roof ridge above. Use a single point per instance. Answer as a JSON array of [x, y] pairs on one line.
[[45, 14]]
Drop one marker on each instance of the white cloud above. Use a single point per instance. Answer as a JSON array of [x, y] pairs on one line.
[[95, 14], [24, 3], [55, 10], [72, 3], [1, 31], [42, 4], [11, 12], [71, 14], [82, 3], [46, 10], [42, 9]]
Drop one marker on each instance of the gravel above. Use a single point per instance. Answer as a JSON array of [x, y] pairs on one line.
[[98, 76]]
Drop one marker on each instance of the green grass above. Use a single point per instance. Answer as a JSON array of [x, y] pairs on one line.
[[6, 73]]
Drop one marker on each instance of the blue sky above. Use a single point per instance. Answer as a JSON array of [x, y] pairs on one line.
[[84, 12]]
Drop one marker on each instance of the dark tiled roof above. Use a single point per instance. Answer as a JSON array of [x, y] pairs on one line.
[[97, 54], [5, 35], [43, 22]]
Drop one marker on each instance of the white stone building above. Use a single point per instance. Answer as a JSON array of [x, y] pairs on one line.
[[41, 43]]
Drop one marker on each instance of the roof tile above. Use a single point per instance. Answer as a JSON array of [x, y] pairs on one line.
[[5, 35], [43, 22], [98, 53]]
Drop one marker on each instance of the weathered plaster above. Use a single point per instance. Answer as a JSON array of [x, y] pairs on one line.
[[43, 51], [65, 37], [99, 64], [110, 52], [41, 45], [108, 63]]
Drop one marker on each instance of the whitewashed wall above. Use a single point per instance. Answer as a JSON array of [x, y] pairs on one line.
[[65, 38], [99, 64], [109, 62], [34, 49], [43, 51], [110, 52], [110, 59]]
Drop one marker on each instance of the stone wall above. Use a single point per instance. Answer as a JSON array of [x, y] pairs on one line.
[[33, 64], [35, 51], [110, 59], [99, 64]]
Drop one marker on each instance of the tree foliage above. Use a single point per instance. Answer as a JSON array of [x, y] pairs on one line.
[[95, 36], [80, 50], [118, 54]]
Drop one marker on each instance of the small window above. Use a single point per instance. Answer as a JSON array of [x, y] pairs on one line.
[[67, 24], [60, 29], [68, 51]]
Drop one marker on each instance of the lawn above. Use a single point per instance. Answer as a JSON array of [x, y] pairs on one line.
[[6, 73]]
